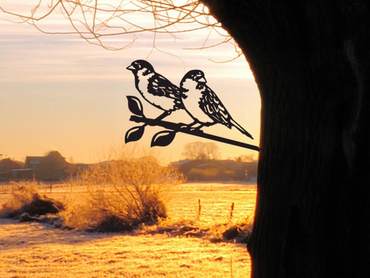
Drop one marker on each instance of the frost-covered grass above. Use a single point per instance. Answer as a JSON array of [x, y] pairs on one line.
[[180, 246]]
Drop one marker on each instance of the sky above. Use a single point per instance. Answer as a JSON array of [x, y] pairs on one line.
[[58, 92]]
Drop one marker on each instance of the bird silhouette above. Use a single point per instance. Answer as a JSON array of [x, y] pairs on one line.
[[155, 88], [203, 105]]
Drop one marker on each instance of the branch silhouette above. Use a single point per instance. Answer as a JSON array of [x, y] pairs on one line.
[[97, 21], [180, 127]]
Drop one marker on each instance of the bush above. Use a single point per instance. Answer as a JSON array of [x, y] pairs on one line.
[[25, 199], [123, 192], [240, 232]]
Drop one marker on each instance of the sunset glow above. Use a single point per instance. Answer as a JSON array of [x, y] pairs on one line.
[[60, 93]]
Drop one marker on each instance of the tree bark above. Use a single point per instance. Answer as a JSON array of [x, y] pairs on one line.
[[311, 62]]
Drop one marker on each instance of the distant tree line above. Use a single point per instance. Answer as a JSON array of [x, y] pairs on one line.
[[201, 150], [204, 165], [218, 170]]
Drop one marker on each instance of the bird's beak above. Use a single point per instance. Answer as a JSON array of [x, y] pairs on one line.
[[202, 80], [130, 67]]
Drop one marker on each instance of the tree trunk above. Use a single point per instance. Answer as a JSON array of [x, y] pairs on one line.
[[311, 61]]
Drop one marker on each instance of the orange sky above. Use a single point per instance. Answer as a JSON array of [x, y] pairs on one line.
[[58, 92]]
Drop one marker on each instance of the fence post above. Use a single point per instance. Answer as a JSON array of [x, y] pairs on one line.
[[231, 211], [199, 209]]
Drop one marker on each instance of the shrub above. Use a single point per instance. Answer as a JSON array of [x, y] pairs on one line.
[[25, 199], [124, 192]]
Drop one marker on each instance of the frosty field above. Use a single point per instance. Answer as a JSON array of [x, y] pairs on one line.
[[166, 250]]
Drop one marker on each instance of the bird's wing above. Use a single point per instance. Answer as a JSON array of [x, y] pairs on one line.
[[161, 86], [213, 107]]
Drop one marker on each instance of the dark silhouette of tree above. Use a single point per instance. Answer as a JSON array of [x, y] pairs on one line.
[[311, 62], [244, 158]]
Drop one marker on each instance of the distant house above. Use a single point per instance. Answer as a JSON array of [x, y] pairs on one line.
[[22, 174], [7, 164], [13, 170], [51, 167], [33, 162]]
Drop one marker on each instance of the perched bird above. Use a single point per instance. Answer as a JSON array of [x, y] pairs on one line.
[[155, 88], [203, 105]]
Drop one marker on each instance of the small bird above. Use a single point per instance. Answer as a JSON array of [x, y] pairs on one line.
[[155, 88], [203, 105]]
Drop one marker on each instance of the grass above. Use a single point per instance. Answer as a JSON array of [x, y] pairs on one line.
[[164, 228], [166, 249], [55, 253]]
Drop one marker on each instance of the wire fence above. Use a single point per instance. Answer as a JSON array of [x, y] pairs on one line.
[[6, 188]]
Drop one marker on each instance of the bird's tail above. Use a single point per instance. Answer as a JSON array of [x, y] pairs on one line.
[[240, 128]]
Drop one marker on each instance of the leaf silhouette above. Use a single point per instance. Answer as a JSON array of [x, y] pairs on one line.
[[134, 134], [163, 138], [135, 106]]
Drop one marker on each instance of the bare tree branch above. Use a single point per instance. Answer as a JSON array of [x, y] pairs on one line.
[[95, 20]]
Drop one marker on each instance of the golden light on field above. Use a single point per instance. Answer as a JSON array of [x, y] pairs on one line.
[[184, 245]]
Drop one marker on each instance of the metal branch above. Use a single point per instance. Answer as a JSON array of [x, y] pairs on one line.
[[180, 127]]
